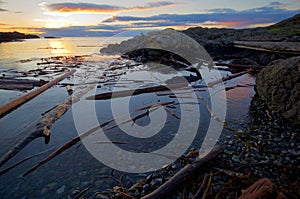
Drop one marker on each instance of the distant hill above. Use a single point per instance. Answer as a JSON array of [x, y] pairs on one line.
[[290, 26], [15, 36]]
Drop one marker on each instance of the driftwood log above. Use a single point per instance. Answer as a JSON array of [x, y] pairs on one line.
[[19, 84], [229, 77], [184, 174], [240, 66], [44, 126], [138, 91], [12, 105]]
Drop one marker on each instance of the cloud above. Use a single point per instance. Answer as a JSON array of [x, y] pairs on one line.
[[2, 9], [221, 17], [98, 8], [277, 4], [222, 10]]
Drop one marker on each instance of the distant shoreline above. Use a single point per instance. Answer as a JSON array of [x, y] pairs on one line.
[[15, 36]]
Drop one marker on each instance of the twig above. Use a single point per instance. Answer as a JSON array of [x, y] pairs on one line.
[[208, 185], [81, 193], [204, 182]]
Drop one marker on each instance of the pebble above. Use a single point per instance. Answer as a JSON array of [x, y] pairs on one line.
[[236, 158], [61, 190], [85, 183], [75, 192], [230, 142]]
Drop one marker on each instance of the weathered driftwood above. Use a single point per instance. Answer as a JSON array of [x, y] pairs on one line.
[[20, 87], [5, 109], [229, 77], [86, 134], [138, 91], [240, 66], [44, 126], [184, 174], [22, 81]]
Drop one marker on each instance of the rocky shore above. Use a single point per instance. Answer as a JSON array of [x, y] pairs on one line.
[[267, 147]]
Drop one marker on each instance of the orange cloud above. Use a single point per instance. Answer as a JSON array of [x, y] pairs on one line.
[[98, 8]]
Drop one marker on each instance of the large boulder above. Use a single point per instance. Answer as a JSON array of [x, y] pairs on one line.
[[167, 40], [278, 84]]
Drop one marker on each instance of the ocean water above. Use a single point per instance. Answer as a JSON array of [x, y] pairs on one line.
[[76, 168], [13, 55]]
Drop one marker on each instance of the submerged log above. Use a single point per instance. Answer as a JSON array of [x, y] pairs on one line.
[[138, 91], [229, 77], [44, 126], [20, 84], [184, 174], [12, 105], [20, 87]]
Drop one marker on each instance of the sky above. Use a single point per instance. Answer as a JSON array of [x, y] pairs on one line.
[[111, 17]]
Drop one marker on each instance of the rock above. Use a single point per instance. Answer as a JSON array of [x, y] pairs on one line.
[[85, 183], [261, 189], [61, 190], [98, 183], [168, 40], [278, 85]]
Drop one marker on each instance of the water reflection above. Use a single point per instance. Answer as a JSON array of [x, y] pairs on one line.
[[57, 47]]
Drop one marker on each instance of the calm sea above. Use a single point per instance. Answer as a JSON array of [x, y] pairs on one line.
[[13, 53]]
